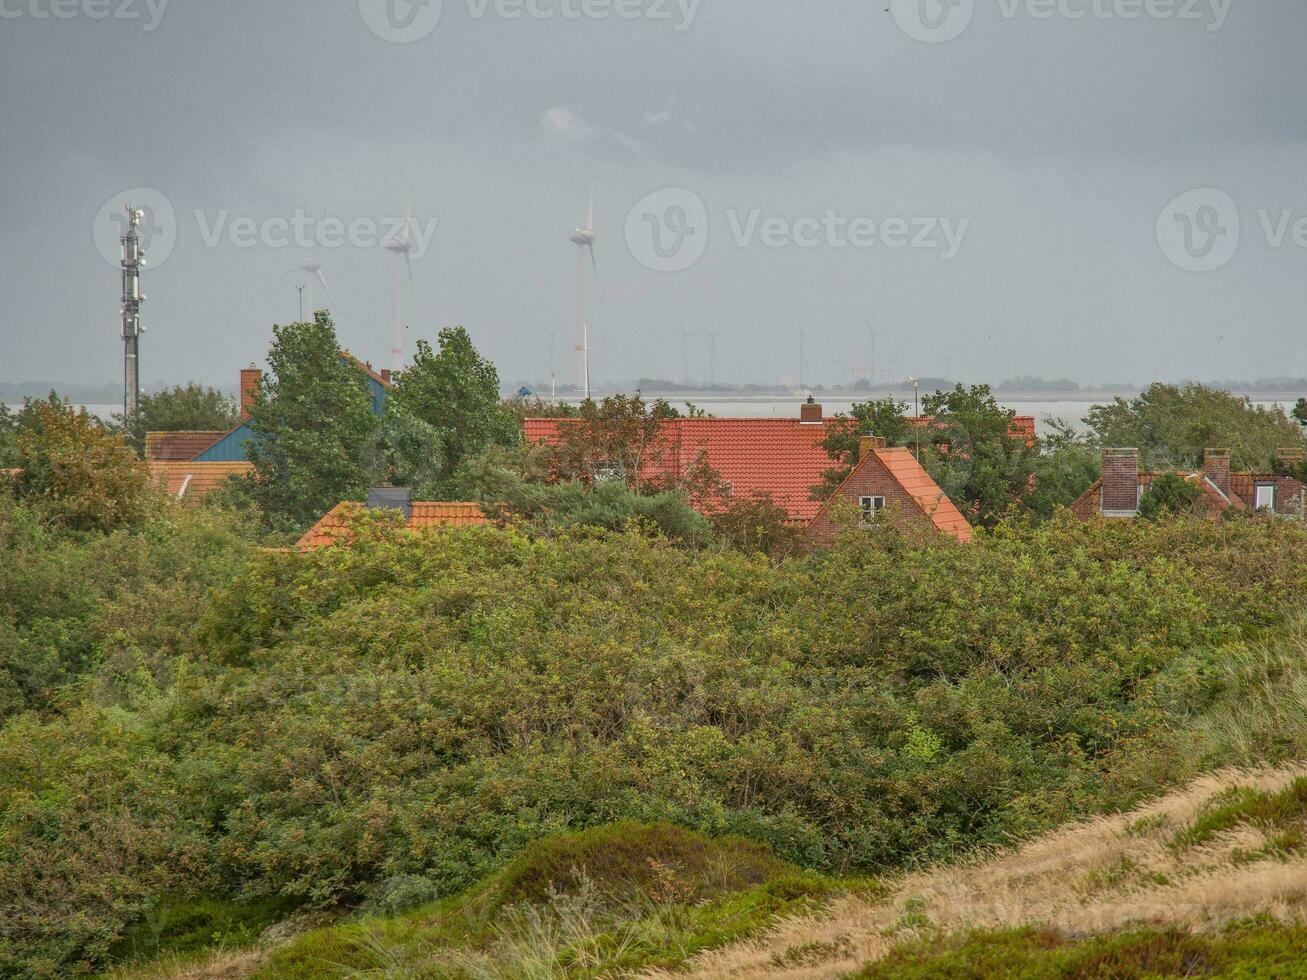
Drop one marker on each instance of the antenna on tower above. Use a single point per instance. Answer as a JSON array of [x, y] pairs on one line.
[[133, 259]]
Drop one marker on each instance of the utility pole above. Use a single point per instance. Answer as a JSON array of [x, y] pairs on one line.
[[133, 259], [916, 413]]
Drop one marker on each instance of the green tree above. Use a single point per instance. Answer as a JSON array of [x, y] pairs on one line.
[[313, 426], [1066, 465], [1169, 493], [618, 437], [443, 410], [973, 454], [182, 408], [8, 437], [83, 476], [886, 418], [1172, 425], [757, 524], [1300, 411]]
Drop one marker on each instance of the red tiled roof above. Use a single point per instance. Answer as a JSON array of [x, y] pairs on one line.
[[189, 481], [909, 474], [178, 446], [776, 456], [779, 457], [365, 368], [334, 526]]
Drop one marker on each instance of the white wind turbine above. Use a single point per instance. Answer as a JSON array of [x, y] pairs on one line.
[[312, 269], [583, 239], [401, 246]]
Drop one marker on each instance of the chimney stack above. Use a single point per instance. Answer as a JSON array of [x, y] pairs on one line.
[[1120, 483], [810, 413], [251, 377], [868, 444], [385, 375], [1216, 465], [391, 498]]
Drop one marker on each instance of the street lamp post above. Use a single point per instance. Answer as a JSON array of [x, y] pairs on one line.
[[916, 413]]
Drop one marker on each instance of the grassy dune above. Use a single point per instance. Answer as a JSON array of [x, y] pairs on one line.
[[1227, 848]]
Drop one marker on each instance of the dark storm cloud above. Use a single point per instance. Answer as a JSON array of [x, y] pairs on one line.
[[1059, 137]]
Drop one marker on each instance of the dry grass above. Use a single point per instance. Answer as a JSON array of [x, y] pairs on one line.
[[1094, 877], [221, 965]]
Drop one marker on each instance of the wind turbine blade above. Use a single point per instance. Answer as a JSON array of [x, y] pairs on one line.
[[327, 288], [408, 220], [594, 262], [590, 215]]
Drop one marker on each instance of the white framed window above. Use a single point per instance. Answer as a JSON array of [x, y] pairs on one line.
[[1264, 497], [871, 508], [607, 470]]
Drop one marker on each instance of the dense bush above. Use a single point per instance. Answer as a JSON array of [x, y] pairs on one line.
[[428, 705], [125, 601]]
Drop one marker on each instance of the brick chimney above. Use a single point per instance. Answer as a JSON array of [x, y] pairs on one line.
[[810, 413], [251, 377], [1120, 482], [385, 375], [868, 444], [1216, 465]]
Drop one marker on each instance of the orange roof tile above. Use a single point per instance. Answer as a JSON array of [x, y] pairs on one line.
[[177, 446], [334, 526], [190, 481], [909, 474], [780, 457]]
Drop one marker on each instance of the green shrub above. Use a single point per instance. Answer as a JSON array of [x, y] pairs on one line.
[[1253, 950], [407, 716]]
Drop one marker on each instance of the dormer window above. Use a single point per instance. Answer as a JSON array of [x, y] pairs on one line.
[[1264, 497]]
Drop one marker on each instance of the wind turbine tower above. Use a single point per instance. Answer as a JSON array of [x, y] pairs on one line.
[[133, 259], [401, 247], [312, 269], [584, 239]]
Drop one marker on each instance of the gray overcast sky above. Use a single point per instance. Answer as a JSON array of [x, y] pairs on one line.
[[1053, 143]]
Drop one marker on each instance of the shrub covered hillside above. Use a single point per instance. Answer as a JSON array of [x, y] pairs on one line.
[[406, 716]]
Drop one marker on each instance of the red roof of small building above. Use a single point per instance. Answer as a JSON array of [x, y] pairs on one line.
[[189, 481], [909, 474], [334, 527], [779, 457], [782, 458], [178, 446]]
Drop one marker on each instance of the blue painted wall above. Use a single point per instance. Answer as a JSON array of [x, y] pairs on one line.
[[231, 447]]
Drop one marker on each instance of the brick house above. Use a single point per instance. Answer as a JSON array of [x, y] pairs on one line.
[[1123, 484], [781, 458], [889, 484]]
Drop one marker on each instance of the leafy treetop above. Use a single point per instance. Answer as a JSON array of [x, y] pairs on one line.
[[313, 425]]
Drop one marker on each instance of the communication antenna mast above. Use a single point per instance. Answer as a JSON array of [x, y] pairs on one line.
[[133, 260]]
